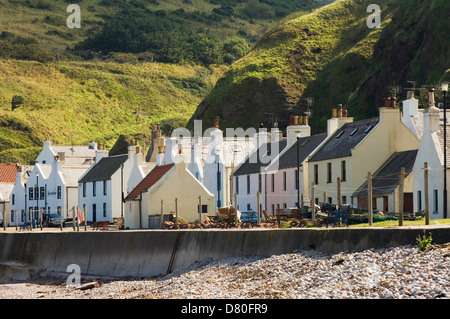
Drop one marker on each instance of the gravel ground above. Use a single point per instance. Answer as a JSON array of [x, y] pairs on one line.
[[394, 273]]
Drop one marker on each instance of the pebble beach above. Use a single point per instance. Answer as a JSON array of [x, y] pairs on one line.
[[402, 272]]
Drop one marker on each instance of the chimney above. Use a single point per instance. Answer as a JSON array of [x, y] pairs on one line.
[[339, 117], [100, 153], [171, 151], [62, 156], [431, 101], [299, 126], [431, 114]]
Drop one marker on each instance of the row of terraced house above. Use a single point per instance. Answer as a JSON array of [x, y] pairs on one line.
[[193, 176]]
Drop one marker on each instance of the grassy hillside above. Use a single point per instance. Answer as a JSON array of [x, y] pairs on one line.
[[163, 29], [132, 64], [85, 101], [331, 56]]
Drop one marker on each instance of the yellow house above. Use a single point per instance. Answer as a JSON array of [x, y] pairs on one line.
[[342, 164], [167, 189]]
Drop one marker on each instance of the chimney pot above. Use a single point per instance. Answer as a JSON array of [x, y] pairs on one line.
[[387, 102], [291, 120], [344, 113], [392, 103], [216, 122], [334, 113], [295, 119]]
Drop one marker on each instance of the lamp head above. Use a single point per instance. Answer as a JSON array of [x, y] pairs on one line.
[[444, 87]]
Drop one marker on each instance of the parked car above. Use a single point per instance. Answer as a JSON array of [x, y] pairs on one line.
[[54, 220]]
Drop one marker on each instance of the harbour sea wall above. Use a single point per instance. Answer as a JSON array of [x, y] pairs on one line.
[[148, 253]]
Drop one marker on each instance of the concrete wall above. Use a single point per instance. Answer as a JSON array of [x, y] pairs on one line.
[[153, 252]]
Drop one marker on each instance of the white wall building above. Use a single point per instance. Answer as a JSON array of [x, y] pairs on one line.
[[50, 186], [431, 151], [105, 184]]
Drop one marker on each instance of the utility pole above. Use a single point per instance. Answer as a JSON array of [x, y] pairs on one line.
[[162, 210], [313, 202], [258, 206], [427, 207], [200, 209], [339, 192], [176, 210], [401, 201], [369, 198]]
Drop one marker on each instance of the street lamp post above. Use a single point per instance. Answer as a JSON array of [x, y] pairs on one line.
[[444, 88]]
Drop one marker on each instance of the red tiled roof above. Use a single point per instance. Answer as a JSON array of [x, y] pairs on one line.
[[154, 176], [8, 173]]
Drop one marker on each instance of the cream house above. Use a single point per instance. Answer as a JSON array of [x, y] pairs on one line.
[[356, 149], [170, 188]]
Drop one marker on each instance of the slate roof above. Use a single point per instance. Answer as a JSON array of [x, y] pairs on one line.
[[306, 146], [104, 169], [344, 140], [148, 181], [262, 158], [386, 179]]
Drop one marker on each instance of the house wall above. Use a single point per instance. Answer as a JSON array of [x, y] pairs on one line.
[[388, 137], [428, 152], [180, 184], [325, 189]]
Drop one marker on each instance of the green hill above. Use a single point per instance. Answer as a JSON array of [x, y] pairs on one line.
[[132, 64], [331, 57]]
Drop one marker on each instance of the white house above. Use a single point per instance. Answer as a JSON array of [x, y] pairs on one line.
[[104, 186], [431, 151], [50, 186]]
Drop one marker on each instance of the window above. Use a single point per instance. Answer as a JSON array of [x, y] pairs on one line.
[[237, 185], [273, 182], [273, 209], [84, 189], [284, 181], [42, 192], [104, 209], [284, 205], [296, 178], [105, 190], [204, 209], [12, 216], [316, 174], [343, 171], [249, 207], [59, 210], [344, 199], [353, 132], [58, 192], [329, 173], [94, 188], [13, 199], [31, 194], [248, 184], [436, 202], [36, 193], [260, 183], [419, 200]]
